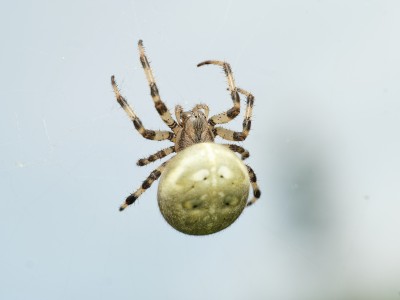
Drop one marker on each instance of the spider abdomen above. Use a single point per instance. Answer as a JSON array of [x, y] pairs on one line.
[[203, 189]]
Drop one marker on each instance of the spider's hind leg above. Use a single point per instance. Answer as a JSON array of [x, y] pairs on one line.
[[158, 155], [254, 185], [145, 185], [238, 149]]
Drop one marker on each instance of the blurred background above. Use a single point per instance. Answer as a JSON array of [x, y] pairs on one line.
[[324, 145]]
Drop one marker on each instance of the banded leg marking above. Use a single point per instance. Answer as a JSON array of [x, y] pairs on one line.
[[158, 155], [231, 135], [229, 115], [254, 185], [145, 185], [159, 104], [158, 135], [238, 149]]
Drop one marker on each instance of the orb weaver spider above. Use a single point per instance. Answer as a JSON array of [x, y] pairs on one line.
[[190, 127]]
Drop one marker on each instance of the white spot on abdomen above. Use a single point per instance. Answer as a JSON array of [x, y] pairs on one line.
[[224, 172], [200, 175]]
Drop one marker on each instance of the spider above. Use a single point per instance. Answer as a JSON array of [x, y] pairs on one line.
[[190, 127]]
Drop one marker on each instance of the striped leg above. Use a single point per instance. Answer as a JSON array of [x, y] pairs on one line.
[[240, 135], [254, 185], [159, 104], [158, 155], [145, 185], [227, 116], [158, 135], [238, 149]]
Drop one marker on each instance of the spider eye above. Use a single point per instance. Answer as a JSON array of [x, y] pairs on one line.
[[203, 189]]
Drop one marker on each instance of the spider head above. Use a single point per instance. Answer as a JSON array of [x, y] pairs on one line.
[[196, 119], [193, 118], [194, 123]]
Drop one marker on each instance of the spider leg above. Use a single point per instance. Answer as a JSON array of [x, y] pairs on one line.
[[178, 112], [238, 149], [159, 104], [203, 107], [240, 135], [254, 185], [230, 114], [158, 135], [154, 175], [158, 155]]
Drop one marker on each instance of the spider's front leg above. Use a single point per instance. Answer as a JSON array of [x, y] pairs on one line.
[[159, 104], [145, 185], [158, 135], [229, 115], [239, 135]]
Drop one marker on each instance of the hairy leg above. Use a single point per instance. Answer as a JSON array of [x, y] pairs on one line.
[[145, 185], [159, 104], [238, 149], [230, 114], [158, 135], [158, 155], [254, 185], [239, 135]]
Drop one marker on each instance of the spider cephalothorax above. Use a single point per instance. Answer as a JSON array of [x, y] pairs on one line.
[[191, 127]]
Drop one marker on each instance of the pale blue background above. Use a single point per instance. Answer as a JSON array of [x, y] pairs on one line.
[[325, 146]]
